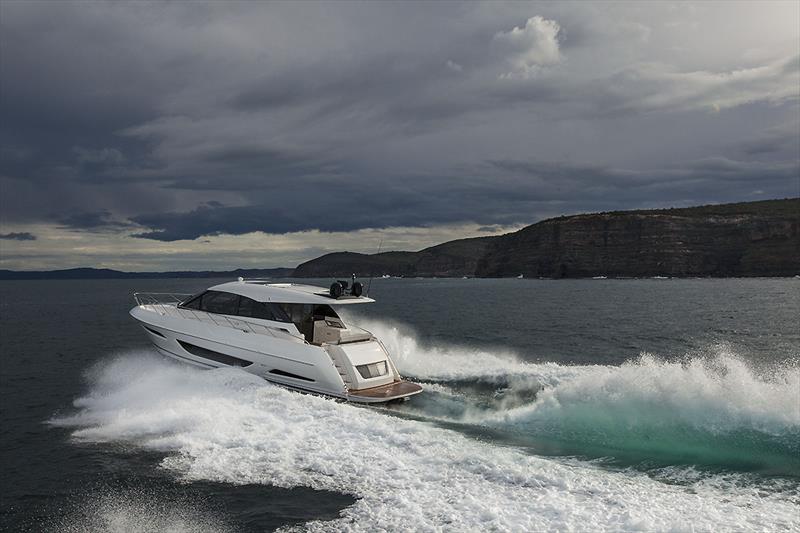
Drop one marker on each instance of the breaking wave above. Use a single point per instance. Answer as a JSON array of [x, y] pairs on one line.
[[229, 426], [709, 409]]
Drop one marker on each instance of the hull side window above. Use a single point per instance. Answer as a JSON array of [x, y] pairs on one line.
[[225, 359], [154, 332], [278, 372]]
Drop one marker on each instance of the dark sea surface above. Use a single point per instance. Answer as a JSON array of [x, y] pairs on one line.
[[570, 404]]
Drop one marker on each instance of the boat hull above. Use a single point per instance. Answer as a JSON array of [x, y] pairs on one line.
[[279, 358]]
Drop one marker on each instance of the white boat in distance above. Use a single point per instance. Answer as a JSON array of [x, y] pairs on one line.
[[287, 333]]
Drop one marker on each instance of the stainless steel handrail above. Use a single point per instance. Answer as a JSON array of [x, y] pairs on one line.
[[143, 298], [169, 306]]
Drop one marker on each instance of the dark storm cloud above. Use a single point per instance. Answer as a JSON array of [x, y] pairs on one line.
[[517, 192], [93, 221], [18, 236], [775, 141], [248, 168], [206, 119]]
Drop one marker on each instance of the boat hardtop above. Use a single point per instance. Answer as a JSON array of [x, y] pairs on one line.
[[295, 293]]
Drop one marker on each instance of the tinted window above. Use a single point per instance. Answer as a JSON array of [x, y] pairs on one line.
[[297, 313], [193, 302], [266, 311], [278, 312], [324, 310], [253, 309], [248, 307], [301, 315], [223, 303]]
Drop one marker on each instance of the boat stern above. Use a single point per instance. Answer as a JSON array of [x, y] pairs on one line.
[[369, 373]]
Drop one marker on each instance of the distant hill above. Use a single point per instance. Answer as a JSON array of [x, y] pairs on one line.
[[105, 273], [728, 240], [742, 239], [454, 258]]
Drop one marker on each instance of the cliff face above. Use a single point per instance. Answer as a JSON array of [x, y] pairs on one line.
[[640, 245], [748, 239]]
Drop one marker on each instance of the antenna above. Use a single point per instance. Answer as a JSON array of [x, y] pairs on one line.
[[372, 272]]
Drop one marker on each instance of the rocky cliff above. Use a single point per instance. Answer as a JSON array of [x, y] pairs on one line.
[[744, 239]]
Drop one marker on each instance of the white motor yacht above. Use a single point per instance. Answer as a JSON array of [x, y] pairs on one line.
[[287, 333]]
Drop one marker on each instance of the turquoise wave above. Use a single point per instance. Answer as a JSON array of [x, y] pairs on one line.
[[715, 411]]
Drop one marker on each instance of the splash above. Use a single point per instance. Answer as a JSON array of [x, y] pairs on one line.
[[711, 408], [227, 426], [451, 364], [137, 511]]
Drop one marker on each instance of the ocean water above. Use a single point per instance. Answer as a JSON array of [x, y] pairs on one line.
[[664, 405]]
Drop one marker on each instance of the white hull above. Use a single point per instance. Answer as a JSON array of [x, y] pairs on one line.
[[275, 353]]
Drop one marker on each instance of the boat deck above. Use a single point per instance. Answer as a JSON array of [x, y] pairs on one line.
[[385, 393]]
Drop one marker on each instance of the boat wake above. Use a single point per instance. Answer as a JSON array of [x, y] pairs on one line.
[[709, 409], [424, 468]]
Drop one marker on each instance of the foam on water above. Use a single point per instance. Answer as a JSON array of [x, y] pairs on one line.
[[708, 410], [226, 425], [711, 408], [461, 364]]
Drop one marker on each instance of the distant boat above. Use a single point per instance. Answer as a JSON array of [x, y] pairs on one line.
[[386, 276], [659, 277], [520, 276], [600, 277]]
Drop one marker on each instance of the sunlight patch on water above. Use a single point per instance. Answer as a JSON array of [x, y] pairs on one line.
[[136, 511]]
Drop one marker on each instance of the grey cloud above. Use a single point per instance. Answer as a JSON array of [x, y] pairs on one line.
[[783, 139], [93, 221], [191, 120], [101, 156], [519, 192], [18, 236], [764, 145]]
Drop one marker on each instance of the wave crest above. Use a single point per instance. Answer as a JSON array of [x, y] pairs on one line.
[[712, 408]]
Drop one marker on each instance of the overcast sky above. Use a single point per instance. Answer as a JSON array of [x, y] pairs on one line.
[[147, 136]]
